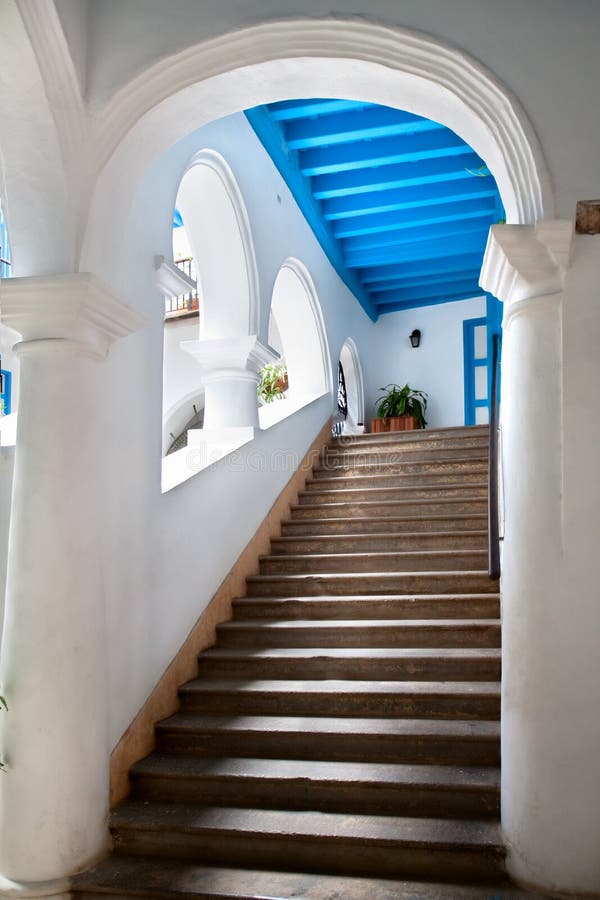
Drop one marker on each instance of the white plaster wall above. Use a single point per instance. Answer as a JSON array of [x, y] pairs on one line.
[[182, 381], [164, 555], [545, 53], [7, 458], [435, 367]]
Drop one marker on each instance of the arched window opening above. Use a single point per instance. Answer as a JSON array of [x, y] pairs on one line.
[[186, 304], [350, 390], [296, 332]]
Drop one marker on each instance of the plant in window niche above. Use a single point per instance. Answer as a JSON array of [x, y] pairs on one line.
[[273, 382], [400, 409]]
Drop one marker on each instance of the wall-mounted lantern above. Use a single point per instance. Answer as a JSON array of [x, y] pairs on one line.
[[415, 338]]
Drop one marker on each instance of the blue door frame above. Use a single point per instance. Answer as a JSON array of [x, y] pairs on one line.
[[492, 322]]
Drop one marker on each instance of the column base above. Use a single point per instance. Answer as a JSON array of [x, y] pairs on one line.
[[57, 889]]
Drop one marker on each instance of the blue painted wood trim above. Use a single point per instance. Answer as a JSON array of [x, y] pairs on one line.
[[470, 364], [6, 394], [270, 134]]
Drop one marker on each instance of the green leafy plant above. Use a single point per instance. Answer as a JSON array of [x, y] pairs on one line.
[[273, 382], [402, 402]]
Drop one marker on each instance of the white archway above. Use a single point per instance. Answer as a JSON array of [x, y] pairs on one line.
[[303, 58], [353, 376], [220, 235]]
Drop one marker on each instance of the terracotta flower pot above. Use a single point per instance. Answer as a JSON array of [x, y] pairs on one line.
[[402, 423], [379, 425]]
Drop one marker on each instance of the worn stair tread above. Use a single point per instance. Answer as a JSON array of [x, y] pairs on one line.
[[373, 599], [299, 576], [374, 554], [431, 729], [323, 624], [335, 686], [457, 834], [371, 536], [367, 504], [399, 653], [455, 517], [164, 879], [345, 774], [333, 491]]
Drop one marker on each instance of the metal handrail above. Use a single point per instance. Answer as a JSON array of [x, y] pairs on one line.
[[493, 498]]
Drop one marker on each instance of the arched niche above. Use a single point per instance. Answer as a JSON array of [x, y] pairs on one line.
[[297, 321], [218, 229], [353, 376]]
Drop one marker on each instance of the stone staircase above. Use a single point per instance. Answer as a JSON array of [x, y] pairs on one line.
[[343, 734]]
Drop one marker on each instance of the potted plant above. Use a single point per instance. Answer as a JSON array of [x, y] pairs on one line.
[[400, 409], [273, 382]]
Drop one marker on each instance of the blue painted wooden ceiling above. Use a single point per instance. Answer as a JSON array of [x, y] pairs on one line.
[[400, 204]]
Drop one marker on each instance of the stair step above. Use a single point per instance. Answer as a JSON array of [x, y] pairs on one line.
[[351, 494], [359, 467], [351, 633], [463, 446], [475, 474], [441, 741], [329, 842], [333, 697], [451, 582], [374, 524], [384, 664], [397, 789], [443, 506], [123, 877], [476, 539], [389, 606], [455, 432], [372, 561]]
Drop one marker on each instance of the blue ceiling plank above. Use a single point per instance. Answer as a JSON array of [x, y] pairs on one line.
[[177, 220], [372, 123], [424, 281], [386, 151], [271, 135], [286, 110], [441, 231], [419, 267], [407, 198], [382, 309], [413, 218], [421, 251], [449, 288], [383, 178]]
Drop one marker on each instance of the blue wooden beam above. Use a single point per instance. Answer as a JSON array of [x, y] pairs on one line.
[[426, 301], [383, 178], [386, 151], [369, 277], [412, 218], [425, 250], [449, 288], [407, 198], [441, 231], [423, 282], [367, 124]]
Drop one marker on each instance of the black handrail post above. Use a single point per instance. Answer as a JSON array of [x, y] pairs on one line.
[[493, 505]]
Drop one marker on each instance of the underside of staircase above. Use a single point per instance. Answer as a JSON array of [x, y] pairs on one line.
[[342, 738]]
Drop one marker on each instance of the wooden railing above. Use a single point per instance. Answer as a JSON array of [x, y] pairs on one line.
[[184, 304], [493, 490]]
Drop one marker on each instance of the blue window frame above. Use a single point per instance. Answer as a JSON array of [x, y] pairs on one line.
[[473, 360], [5, 391]]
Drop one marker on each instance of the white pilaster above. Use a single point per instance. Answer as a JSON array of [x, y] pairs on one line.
[[525, 267], [53, 739]]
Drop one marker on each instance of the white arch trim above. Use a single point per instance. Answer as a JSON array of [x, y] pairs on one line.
[[219, 165], [305, 278], [352, 349], [293, 58]]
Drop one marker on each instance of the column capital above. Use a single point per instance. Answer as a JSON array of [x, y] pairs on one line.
[[78, 309], [242, 352], [525, 261]]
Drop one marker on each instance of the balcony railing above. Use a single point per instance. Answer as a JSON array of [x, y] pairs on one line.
[[185, 304]]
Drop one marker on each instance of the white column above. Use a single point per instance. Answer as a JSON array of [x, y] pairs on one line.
[[524, 267], [53, 739], [231, 369]]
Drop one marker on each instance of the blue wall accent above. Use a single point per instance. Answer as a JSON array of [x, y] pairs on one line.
[[5, 395]]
